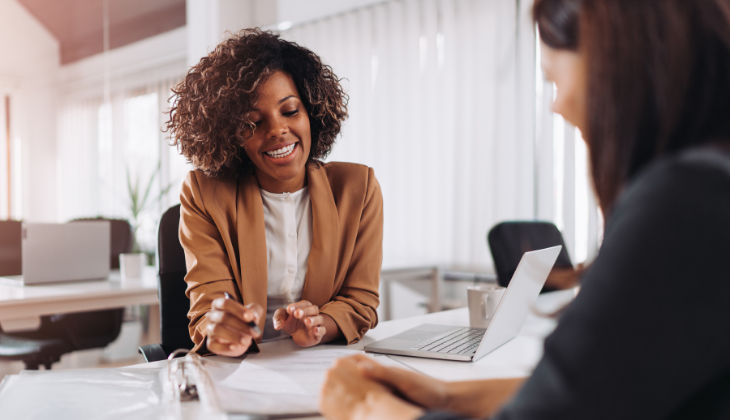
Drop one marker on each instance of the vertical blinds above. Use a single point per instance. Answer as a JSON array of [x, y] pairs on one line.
[[438, 108]]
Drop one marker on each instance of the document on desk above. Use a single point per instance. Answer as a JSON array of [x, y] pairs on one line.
[[294, 373]]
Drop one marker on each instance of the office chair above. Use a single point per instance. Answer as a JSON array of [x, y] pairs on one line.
[[174, 304], [64, 333], [509, 240]]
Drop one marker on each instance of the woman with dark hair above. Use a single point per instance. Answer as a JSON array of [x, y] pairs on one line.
[[648, 84], [272, 235]]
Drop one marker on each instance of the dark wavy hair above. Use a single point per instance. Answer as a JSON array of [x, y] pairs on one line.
[[209, 120]]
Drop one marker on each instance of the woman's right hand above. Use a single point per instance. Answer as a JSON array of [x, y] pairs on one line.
[[228, 330], [419, 389]]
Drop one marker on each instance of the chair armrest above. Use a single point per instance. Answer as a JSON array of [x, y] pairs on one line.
[[153, 352]]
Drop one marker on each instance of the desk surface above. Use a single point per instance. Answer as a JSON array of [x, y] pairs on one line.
[[21, 306], [516, 358]]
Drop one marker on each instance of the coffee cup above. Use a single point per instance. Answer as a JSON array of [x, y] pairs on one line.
[[483, 302], [131, 265]]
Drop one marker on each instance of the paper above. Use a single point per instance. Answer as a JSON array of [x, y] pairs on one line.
[[294, 373]]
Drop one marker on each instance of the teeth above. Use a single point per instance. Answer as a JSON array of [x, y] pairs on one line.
[[283, 152]]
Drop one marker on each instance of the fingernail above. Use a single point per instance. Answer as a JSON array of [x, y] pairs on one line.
[[300, 312]]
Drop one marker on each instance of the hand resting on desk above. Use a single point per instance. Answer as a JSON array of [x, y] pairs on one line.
[[359, 388], [228, 330], [305, 324]]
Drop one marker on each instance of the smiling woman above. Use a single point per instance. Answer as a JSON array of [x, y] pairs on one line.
[[297, 242]]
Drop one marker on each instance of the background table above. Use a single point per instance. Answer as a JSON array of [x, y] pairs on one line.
[[22, 306]]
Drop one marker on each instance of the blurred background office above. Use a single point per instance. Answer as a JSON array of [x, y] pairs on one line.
[[447, 104]]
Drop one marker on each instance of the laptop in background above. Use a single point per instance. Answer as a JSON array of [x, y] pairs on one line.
[[60, 252], [470, 344]]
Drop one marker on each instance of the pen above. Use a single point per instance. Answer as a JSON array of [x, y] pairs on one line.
[[254, 327]]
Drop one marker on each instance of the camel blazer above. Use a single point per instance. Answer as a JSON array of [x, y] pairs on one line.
[[222, 232]]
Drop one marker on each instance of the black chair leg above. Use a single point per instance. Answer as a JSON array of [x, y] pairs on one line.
[[31, 364]]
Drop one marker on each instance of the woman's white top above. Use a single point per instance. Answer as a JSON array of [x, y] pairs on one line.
[[288, 219]]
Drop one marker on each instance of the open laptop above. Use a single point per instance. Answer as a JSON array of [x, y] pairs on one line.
[[471, 344], [59, 252]]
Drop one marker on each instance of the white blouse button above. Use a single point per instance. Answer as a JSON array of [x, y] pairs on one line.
[[291, 270], [292, 234]]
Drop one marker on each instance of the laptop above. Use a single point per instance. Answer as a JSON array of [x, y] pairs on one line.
[[60, 252], [470, 344]]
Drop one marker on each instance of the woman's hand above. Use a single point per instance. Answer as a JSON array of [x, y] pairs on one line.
[[421, 390], [302, 321], [347, 395], [478, 399], [228, 330]]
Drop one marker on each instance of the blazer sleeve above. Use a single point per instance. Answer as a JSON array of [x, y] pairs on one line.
[[209, 269], [354, 307]]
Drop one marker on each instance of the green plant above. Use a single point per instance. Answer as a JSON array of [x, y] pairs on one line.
[[139, 200]]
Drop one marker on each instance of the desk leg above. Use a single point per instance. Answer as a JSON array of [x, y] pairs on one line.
[[153, 326], [437, 283], [385, 299], [21, 324]]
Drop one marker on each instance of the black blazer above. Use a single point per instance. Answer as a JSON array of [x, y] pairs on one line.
[[648, 336]]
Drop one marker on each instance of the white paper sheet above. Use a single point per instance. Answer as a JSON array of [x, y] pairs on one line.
[[294, 373]]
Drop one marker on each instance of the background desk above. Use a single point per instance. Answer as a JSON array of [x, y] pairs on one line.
[[516, 358], [22, 306]]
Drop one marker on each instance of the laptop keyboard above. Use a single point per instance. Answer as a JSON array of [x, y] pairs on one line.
[[461, 341]]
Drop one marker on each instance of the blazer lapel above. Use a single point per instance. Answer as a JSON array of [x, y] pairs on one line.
[[322, 264], [251, 243]]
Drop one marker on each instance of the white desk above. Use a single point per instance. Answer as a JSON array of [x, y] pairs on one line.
[[516, 358], [22, 306]]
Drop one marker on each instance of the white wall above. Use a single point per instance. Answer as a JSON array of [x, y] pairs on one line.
[[145, 62], [298, 11], [29, 63]]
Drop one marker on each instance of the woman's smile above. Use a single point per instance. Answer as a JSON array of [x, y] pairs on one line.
[[283, 153]]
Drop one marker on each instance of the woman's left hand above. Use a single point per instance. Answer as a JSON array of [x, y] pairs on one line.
[[347, 395], [302, 321]]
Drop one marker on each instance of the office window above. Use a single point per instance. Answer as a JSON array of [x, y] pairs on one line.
[[113, 155]]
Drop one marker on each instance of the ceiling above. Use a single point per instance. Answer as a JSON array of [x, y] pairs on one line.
[[78, 24]]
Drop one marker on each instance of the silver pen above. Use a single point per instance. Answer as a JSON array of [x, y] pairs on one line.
[[251, 324]]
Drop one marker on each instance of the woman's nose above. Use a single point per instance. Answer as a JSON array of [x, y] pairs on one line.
[[278, 128]]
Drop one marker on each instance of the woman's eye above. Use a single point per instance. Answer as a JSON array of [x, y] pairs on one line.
[[291, 113], [257, 123]]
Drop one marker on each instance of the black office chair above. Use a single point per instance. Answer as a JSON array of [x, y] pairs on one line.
[[509, 240], [64, 333], [174, 304]]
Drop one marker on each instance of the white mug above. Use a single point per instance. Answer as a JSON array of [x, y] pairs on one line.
[[483, 302], [130, 266]]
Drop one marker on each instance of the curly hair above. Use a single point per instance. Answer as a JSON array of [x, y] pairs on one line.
[[209, 120]]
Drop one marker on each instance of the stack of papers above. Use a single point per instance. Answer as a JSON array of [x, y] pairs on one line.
[[278, 383]]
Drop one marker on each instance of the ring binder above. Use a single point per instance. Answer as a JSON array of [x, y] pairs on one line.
[[186, 379]]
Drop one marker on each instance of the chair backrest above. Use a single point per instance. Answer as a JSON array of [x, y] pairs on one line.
[[508, 241], [11, 261], [122, 237], [174, 304]]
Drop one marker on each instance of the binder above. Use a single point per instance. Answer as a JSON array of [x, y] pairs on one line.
[[144, 393]]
